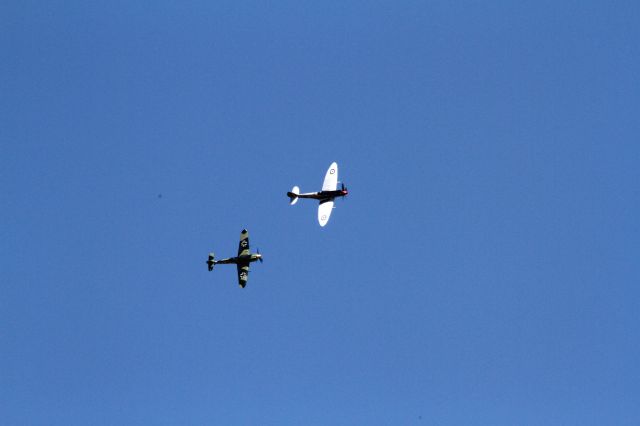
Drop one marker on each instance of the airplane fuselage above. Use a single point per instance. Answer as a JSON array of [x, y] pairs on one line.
[[321, 195], [239, 260]]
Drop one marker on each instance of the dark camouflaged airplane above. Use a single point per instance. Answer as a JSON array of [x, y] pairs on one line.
[[242, 261]]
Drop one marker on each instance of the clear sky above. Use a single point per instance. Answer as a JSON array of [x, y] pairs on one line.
[[483, 269]]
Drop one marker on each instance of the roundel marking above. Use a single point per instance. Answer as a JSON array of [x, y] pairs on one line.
[[332, 171], [323, 217], [243, 243]]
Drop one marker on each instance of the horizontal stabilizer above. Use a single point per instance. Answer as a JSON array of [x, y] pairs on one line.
[[293, 195]]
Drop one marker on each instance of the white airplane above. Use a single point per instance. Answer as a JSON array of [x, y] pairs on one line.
[[329, 193]]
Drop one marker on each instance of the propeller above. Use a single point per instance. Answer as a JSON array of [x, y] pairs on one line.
[[258, 252]]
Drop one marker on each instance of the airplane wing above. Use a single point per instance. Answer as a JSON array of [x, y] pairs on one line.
[[324, 211], [243, 275], [331, 178], [243, 247]]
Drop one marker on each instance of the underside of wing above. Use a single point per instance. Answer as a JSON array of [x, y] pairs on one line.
[[243, 275], [243, 247], [324, 211], [331, 178]]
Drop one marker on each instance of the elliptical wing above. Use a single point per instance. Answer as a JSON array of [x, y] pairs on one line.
[[324, 211], [331, 178]]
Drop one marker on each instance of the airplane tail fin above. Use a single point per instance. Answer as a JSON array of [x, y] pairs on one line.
[[211, 261], [293, 195]]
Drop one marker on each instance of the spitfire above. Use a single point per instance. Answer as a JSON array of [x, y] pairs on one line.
[[242, 261], [326, 196]]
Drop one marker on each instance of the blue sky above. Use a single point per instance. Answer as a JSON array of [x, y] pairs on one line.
[[483, 269]]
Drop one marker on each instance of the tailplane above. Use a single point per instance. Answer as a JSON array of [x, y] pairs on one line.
[[293, 195], [211, 261]]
